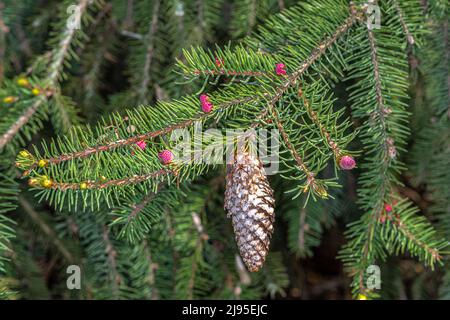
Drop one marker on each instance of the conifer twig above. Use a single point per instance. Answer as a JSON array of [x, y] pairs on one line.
[[315, 55], [138, 207], [409, 36], [149, 39], [314, 117], [55, 68], [222, 72], [284, 135], [446, 61], [111, 254], [20, 122], [377, 209], [145, 136], [64, 46], [63, 186], [302, 229], [28, 208], [404, 229]]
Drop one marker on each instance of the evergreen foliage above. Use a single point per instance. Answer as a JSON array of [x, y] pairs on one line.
[[85, 117]]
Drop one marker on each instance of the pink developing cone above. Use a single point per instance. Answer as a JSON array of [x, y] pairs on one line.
[[204, 98], [347, 163], [279, 69], [206, 104], [165, 156], [141, 144]]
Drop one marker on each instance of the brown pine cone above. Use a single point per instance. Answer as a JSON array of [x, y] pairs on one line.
[[250, 204]]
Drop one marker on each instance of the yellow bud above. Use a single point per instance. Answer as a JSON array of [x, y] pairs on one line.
[[25, 154], [46, 182], [9, 99], [362, 297], [102, 178], [321, 191], [35, 91], [42, 163], [83, 186], [23, 82], [32, 181]]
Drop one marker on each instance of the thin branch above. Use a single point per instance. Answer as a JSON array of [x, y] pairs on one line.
[[316, 54], [138, 207], [52, 77], [412, 238], [152, 272], [302, 229], [49, 232], [63, 186], [128, 21], [251, 16], [132, 35], [409, 36], [388, 145], [224, 72], [314, 117], [145, 136], [300, 163], [64, 45], [20, 122], [446, 60], [150, 41], [194, 268], [111, 254]]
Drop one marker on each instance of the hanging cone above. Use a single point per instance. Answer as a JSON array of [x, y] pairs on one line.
[[250, 204]]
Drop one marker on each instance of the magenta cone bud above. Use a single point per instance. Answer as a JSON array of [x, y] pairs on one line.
[[204, 98], [207, 106], [347, 163], [165, 156], [141, 144], [280, 69]]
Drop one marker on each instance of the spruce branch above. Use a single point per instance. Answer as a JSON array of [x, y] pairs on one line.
[[150, 44], [138, 207], [140, 137], [409, 36], [60, 54], [136, 218], [286, 77], [323, 130], [367, 237], [383, 187], [403, 228], [310, 176], [7, 136], [46, 228], [302, 230], [63, 186], [9, 190], [111, 254], [315, 55], [122, 128], [446, 63], [58, 57]]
